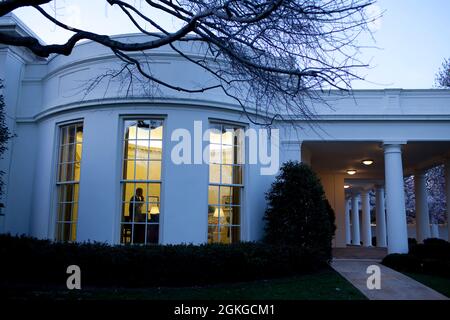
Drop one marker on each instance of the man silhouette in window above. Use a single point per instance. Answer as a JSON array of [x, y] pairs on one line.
[[136, 205]]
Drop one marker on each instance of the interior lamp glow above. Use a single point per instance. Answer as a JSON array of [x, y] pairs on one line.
[[346, 186], [367, 162], [154, 210], [351, 172]]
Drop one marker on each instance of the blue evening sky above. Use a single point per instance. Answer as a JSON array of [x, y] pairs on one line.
[[413, 36]]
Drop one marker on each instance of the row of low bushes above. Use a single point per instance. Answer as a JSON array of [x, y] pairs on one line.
[[431, 257], [27, 260]]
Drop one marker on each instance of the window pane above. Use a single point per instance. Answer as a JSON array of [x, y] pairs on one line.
[[64, 135], [235, 215], [237, 174], [63, 232], [156, 129], [64, 154], [73, 232], [215, 134], [130, 149], [77, 170], [155, 170], [153, 213], [66, 211], [238, 155], [143, 130], [125, 233], [224, 234], [128, 170], [213, 195], [154, 192], [68, 192], [66, 172], [130, 130], [214, 173], [78, 150], [215, 154], [227, 174], [235, 234], [213, 215], [141, 170], [79, 134], [225, 195], [126, 216], [75, 212], [155, 149], [227, 136], [213, 235], [72, 135], [225, 215], [142, 149], [139, 233], [128, 190], [140, 210], [152, 233], [227, 154]]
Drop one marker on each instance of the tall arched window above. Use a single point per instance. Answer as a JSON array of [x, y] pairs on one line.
[[225, 183], [67, 182], [141, 181]]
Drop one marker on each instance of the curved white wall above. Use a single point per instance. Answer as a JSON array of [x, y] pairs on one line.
[[43, 94]]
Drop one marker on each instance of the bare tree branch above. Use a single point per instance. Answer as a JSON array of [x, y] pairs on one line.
[[274, 56]]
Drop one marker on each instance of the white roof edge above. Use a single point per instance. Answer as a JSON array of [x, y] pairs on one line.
[[10, 22]]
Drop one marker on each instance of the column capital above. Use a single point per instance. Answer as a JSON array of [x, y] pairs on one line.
[[394, 142], [355, 193], [392, 147]]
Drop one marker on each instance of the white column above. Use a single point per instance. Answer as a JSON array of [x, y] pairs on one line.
[[447, 193], [366, 228], [395, 199], [381, 217], [422, 213], [348, 236], [355, 221], [435, 230]]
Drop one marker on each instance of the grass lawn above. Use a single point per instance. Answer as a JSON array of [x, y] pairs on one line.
[[323, 285], [440, 284]]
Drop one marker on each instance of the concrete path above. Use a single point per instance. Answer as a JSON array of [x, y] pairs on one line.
[[394, 285], [357, 252]]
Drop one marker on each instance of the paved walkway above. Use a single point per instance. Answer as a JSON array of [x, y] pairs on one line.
[[394, 285], [353, 252]]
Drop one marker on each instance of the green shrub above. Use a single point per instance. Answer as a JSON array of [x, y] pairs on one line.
[[402, 262], [298, 213], [431, 257], [42, 262], [432, 249]]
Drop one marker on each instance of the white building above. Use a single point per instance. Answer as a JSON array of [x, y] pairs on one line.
[[75, 166]]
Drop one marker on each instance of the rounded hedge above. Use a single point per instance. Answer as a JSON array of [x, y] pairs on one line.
[[298, 213]]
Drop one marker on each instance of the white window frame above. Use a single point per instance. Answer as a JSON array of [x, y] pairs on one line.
[[58, 183], [242, 146], [123, 181]]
